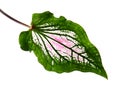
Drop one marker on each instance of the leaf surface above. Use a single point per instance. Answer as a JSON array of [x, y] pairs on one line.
[[61, 45]]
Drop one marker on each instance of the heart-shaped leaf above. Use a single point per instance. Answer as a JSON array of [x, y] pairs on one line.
[[61, 45]]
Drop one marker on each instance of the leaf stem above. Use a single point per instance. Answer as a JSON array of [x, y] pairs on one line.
[[17, 21]]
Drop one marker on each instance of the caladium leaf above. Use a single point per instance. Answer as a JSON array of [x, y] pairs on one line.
[[61, 45]]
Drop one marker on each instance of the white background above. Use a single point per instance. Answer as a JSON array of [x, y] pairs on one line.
[[21, 70]]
